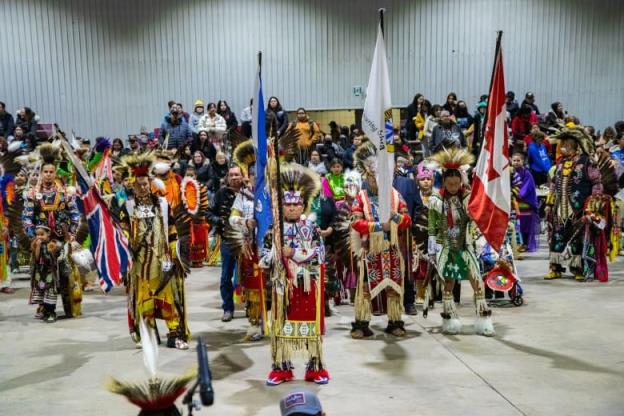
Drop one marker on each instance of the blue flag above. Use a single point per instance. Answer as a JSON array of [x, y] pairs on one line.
[[262, 197]]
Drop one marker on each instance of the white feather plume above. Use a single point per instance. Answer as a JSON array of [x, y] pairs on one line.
[[150, 348]]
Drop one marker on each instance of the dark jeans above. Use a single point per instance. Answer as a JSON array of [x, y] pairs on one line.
[[228, 264], [409, 296]]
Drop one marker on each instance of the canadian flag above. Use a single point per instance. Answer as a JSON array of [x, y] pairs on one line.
[[490, 201]]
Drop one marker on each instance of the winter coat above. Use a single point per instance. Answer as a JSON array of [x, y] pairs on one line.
[[179, 133], [6, 124], [446, 136], [207, 148], [216, 123], [202, 172], [216, 174], [230, 120], [276, 122]]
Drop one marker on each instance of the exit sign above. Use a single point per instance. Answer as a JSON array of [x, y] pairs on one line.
[[358, 90]]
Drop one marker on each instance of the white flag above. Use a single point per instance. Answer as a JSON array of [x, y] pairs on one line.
[[377, 124]]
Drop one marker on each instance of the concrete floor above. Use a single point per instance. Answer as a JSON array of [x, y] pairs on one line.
[[559, 354]]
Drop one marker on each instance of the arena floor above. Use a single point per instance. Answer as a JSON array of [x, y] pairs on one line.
[[559, 354]]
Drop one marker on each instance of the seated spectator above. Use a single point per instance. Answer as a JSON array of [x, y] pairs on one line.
[[245, 118], [412, 110], [446, 134], [521, 126], [529, 100], [329, 150], [511, 105], [301, 402], [451, 103], [218, 172], [556, 117], [7, 124], [617, 152], [316, 164], [202, 143], [347, 157], [538, 160], [432, 120], [201, 166], [224, 110], [118, 149], [175, 129], [135, 147], [27, 120]]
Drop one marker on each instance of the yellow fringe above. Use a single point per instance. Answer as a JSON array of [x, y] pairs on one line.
[[254, 305], [286, 349], [363, 307], [395, 305], [376, 242]]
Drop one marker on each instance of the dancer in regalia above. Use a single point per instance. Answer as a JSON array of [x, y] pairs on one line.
[[450, 247], [157, 276], [295, 255], [376, 246]]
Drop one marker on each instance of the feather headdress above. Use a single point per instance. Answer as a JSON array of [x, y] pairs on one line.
[[299, 183], [139, 165], [156, 393], [244, 156], [364, 158], [578, 134], [49, 153], [451, 159]]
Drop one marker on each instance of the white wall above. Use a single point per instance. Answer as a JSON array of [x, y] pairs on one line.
[[109, 67]]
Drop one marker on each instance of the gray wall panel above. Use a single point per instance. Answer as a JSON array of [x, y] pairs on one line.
[[109, 67]]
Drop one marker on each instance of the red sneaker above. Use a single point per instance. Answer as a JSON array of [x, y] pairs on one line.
[[277, 377], [317, 376]]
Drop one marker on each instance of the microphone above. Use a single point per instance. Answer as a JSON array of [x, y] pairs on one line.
[[205, 376]]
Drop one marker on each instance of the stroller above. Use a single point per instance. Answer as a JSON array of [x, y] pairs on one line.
[[499, 272]]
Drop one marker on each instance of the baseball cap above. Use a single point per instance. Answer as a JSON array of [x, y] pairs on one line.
[[300, 401]]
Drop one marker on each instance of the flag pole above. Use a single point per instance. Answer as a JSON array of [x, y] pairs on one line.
[[499, 35], [381, 21]]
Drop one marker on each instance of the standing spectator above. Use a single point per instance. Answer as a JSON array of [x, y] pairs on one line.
[[310, 134], [185, 115], [7, 124], [245, 118], [118, 150], [412, 110], [511, 105], [316, 164], [451, 103], [539, 161], [198, 113], [175, 128], [330, 150], [557, 116], [218, 214], [224, 110], [446, 134], [214, 124], [529, 99], [202, 144], [277, 119], [408, 189]]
